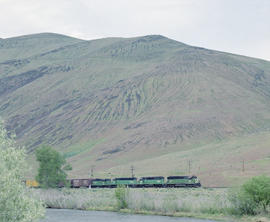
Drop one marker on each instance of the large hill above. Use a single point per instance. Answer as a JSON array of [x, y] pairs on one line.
[[163, 106]]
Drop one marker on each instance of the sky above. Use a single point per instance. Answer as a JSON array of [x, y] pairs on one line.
[[236, 26]]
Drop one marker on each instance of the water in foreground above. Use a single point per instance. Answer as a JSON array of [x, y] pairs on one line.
[[63, 215]]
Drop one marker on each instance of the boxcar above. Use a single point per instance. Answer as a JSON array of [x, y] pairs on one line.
[[151, 182], [77, 183], [85, 182]]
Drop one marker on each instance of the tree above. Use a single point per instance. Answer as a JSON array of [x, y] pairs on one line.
[[16, 203], [52, 167], [253, 197]]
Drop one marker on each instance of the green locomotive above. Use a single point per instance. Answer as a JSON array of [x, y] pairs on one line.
[[101, 183], [151, 182], [183, 181], [128, 182], [133, 182], [108, 183]]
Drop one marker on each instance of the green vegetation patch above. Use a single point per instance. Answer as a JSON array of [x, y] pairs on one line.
[[82, 147]]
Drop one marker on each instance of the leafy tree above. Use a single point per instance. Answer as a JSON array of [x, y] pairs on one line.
[[16, 203], [253, 197], [52, 167]]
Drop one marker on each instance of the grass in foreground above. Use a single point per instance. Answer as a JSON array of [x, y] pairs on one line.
[[199, 203], [252, 198], [173, 202]]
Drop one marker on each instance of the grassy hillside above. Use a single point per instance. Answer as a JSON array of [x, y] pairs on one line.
[[148, 101]]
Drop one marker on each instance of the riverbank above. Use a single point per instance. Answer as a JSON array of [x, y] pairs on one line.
[[66, 215], [197, 203]]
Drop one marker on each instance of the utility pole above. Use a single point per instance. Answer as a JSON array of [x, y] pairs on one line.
[[92, 170], [189, 166], [243, 165], [132, 171]]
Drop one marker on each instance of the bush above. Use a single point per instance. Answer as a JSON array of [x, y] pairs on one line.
[[121, 196], [16, 203], [253, 197]]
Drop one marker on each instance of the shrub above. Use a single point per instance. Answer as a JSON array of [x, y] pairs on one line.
[[121, 196], [253, 197]]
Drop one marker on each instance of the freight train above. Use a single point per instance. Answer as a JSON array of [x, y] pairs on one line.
[[132, 182]]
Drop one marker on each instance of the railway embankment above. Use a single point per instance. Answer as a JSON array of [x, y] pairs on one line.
[[197, 203]]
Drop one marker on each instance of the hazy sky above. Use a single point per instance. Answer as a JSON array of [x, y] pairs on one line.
[[238, 26]]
